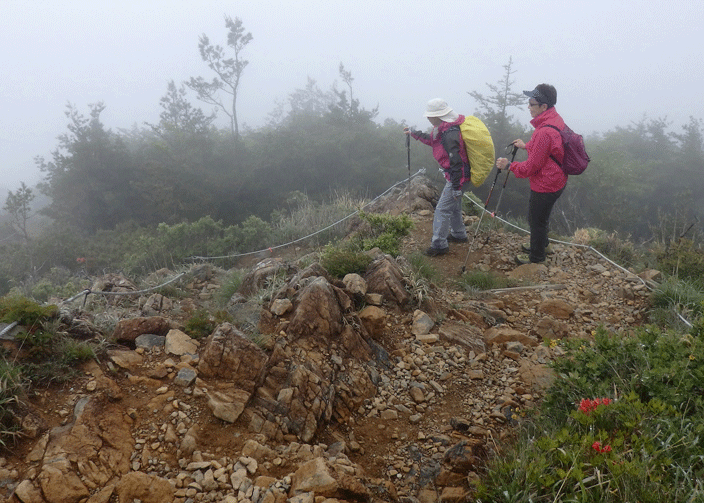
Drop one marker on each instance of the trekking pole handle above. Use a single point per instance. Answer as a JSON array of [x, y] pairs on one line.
[[508, 169]]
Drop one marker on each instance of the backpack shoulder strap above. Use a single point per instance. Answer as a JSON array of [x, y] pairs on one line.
[[559, 131]]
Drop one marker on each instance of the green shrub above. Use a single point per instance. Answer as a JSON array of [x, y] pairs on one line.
[[622, 251], [624, 451], [651, 363], [230, 285], [200, 324], [480, 280], [683, 296], [384, 231], [341, 260], [423, 267], [683, 260], [306, 215], [252, 234], [24, 311], [386, 242], [11, 389], [469, 208], [644, 445], [72, 351]]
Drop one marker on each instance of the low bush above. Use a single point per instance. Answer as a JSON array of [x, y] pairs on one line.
[[200, 324], [383, 231], [419, 274], [230, 286], [11, 388], [622, 422], [24, 311], [340, 260], [683, 260], [479, 280]]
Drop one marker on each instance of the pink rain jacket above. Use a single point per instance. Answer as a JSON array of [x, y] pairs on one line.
[[544, 174], [449, 151]]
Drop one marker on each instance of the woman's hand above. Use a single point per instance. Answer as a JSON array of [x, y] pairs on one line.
[[519, 143], [501, 163]]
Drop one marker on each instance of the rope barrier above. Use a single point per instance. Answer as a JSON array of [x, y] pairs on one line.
[[591, 248], [421, 171], [272, 248], [7, 329], [568, 243], [88, 291]]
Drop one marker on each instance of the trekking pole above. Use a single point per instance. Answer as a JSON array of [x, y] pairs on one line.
[[408, 147], [491, 190], [501, 194]]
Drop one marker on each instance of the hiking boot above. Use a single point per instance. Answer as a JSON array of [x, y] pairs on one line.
[[548, 249], [525, 259], [453, 239], [434, 252]]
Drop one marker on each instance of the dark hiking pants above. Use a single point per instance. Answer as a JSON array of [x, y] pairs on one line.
[[539, 208]]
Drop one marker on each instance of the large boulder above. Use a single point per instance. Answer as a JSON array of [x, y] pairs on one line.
[[128, 330], [300, 280], [145, 488], [463, 334], [156, 304], [87, 453], [258, 276], [235, 365], [384, 276], [503, 335], [423, 196], [229, 356], [319, 310], [318, 370], [557, 308]]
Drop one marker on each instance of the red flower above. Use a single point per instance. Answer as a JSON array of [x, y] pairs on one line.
[[598, 448], [587, 405]]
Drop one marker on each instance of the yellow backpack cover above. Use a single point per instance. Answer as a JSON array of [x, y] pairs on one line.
[[479, 147]]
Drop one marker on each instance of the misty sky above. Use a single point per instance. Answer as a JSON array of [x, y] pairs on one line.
[[612, 61]]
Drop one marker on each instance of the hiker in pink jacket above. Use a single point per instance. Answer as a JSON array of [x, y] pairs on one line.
[[547, 180], [449, 150]]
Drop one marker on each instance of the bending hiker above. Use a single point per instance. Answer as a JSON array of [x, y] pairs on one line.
[[547, 180], [447, 144]]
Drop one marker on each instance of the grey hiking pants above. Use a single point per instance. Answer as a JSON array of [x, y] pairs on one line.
[[448, 218]]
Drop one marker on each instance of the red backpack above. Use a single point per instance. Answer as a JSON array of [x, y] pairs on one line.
[[576, 158]]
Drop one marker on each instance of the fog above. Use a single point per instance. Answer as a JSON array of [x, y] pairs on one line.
[[612, 62]]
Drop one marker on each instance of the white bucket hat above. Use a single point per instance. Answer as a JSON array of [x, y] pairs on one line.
[[439, 108]]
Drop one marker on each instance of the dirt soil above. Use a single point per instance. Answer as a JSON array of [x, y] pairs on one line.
[[380, 439]]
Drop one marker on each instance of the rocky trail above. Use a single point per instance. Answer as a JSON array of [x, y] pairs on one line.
[[353, 391]]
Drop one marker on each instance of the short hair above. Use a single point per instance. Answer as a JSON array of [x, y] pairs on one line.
[[549, 92]]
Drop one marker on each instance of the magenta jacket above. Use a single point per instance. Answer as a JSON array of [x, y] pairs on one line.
[[544, 174], [449, 151]]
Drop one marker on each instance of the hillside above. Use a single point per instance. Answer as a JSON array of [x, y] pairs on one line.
[[356, 390]]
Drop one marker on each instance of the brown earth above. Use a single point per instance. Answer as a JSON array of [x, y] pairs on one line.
[[569, 296]]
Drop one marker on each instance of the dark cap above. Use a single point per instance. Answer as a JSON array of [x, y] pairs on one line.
[[542, 99]]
